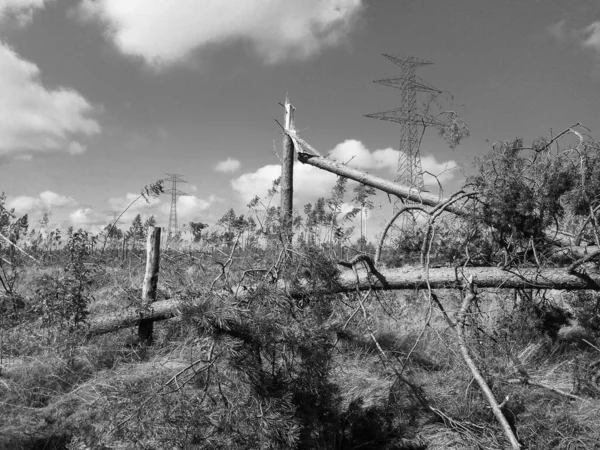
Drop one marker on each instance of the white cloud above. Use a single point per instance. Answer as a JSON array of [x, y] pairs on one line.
[[51, 199], [443, 171], [166, 32], [46, 200], [75, 148], [83, 217], [311, 183], [308, 182], [21, 10], [36, 119], [356, 155], [188, 208], [140, 206], [228, 166], [215, 199], [588, 37], [592, 36], [23, 204]]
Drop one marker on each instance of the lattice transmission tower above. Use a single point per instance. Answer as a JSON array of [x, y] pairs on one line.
[[174, 178], [409, 171]]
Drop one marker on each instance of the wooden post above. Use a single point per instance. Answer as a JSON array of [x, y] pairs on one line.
[[150, 282], [287, 175]]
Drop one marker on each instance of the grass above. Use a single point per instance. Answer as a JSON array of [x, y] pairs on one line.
[[272, 373]]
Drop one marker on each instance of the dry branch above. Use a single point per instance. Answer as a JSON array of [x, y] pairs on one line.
[[496, 408]]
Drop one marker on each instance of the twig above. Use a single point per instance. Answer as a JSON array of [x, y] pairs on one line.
[[227, 263], [558, 136], [544, 386], [572, 267]]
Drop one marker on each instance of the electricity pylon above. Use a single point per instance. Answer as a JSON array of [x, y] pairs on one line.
[[174, 178], [409, 170]]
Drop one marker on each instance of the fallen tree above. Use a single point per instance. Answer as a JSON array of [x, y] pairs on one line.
[[387, 279], [558, 238]]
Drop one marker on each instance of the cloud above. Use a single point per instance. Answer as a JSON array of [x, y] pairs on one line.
[[50, 199], [139, 206], [356, 155], [36, 119], [164, 33], [587, 37], [20, 10], [84, 218], [228, 166], [24, 204], [592, 37], [46, 200], [311, 183], [189, 207], [215, 199], [442, 171], [75, 148]]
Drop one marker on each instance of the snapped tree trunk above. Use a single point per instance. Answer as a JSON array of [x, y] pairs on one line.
[[287, 175], [389, 279], [150, 283]]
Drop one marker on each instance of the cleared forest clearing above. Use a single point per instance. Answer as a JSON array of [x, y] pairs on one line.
[[480, 327]]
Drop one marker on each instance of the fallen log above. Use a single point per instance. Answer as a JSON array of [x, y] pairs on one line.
[[559, 239], [386, 279]]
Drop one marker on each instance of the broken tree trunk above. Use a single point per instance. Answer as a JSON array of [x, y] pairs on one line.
[[382, 184], [287, 175], [388, 279], [150, 283], [424, 198]]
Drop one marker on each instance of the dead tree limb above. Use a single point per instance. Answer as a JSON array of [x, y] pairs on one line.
[[462, 317], [412, 194]]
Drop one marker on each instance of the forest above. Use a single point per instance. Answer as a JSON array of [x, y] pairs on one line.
[[474, 325]]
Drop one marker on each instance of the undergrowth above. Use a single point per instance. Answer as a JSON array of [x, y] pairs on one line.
[[248, 365]]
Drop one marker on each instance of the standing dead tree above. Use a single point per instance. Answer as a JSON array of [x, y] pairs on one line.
[[150, 284], [287, 175]]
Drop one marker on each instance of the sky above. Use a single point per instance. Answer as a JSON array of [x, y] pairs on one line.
[[100, 98]]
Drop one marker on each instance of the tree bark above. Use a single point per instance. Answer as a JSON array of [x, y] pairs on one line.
[[382, 184], [287, 175], [389, 279], [150, 283]]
